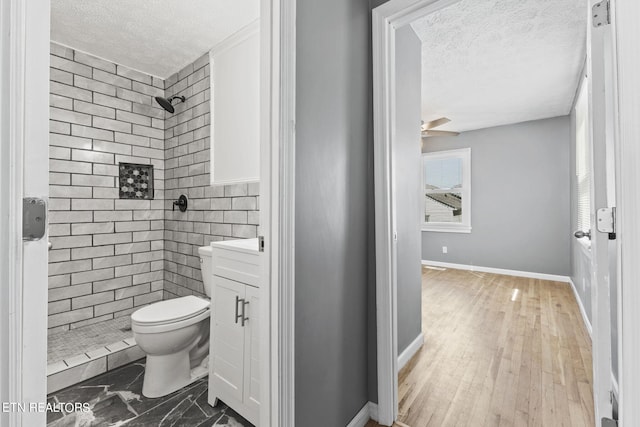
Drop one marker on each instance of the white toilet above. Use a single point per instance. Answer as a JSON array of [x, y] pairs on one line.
[[175, 336]]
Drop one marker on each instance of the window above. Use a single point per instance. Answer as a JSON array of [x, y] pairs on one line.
[[583, 166], [446, 182]]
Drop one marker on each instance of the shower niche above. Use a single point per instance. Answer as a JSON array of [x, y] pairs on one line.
[[136, 181]]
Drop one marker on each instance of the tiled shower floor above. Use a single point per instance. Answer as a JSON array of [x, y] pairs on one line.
[[64, 345]]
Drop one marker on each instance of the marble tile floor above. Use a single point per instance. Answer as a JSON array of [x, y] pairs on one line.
[[115, 399], [62, 345]]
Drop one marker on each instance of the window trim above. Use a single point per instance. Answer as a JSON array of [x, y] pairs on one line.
[[448, 227]]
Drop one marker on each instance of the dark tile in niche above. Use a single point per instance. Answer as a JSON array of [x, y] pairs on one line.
[[136, 181]]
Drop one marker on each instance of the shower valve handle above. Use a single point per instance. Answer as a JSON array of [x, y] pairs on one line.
[[181, 203]]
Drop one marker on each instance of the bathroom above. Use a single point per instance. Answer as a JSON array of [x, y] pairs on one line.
[[138, 192]]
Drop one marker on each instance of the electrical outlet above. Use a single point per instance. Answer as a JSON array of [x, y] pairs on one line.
[[444, 249]]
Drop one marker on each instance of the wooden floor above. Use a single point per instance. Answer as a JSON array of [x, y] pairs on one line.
[[499, 351]]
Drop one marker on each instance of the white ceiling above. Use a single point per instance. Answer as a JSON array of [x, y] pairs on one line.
[[494, 62], [158, 37]]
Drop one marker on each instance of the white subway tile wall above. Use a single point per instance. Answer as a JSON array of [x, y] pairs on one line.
[[111, 256], [92, 129], [215, 213]]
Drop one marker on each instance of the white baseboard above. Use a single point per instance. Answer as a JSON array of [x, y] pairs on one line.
[[410, 351], [583, 312], [518, 273], [373, 411], [364, 415]]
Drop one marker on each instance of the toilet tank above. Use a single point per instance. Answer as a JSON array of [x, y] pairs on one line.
[[205, 267]]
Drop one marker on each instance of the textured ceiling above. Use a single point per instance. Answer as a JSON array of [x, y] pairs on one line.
[[158, 37], [494, 62]]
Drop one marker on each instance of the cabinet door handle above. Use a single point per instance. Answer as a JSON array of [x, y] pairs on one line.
[[239, 316], [244, 305]]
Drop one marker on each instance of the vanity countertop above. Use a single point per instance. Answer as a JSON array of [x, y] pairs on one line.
[[241, 245]]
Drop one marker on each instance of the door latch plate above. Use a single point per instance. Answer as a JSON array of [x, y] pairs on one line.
[[34, 218], [606, 221]]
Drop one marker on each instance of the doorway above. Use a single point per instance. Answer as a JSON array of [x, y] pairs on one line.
[[387, 211], [25, 54]]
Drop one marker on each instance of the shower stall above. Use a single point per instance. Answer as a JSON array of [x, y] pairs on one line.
[[130, 203]]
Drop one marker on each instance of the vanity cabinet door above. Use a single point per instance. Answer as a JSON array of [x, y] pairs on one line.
[[252, 353], [228, 338]]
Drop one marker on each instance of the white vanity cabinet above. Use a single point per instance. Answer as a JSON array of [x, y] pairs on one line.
[[234, 357]]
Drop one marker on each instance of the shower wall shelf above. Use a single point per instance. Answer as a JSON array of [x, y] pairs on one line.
[[136, 181]]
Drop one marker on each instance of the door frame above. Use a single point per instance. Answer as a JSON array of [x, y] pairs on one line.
[[386, 19], [627, 33], [24, 126], [277, 213], [24, 123], [599, 95]]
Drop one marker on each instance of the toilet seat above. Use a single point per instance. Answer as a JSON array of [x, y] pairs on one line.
[[170, 314]]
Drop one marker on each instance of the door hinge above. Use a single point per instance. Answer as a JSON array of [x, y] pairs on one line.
[[606, 221], [260, 243], [601, 13], [608, 422]]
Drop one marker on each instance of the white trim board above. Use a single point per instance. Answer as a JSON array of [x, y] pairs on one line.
[[278, 89], [627, 34], [373, 411], [368, 412], [24, 118], [410, 351], [362, 417], [583, 312], [517, 273]]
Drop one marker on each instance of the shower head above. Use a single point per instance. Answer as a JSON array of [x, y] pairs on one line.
[[166, 103]]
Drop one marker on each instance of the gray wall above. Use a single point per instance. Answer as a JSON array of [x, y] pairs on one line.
[[520, 207], [408, 163], [333, 179], [215, 212]]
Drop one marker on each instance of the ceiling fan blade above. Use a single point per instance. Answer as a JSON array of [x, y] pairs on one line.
[[435, 123], [429, 133]]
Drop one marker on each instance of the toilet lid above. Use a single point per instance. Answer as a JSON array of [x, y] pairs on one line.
[[170, 310]]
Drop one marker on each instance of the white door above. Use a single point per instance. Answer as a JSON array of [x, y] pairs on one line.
[[227, 340], [600, 65]]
